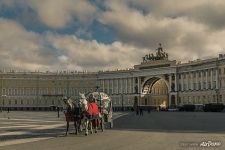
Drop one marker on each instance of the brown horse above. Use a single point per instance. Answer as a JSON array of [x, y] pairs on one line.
[[73, 114]]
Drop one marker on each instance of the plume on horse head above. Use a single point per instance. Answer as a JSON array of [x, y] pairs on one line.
[[71, 103], [83, 101]]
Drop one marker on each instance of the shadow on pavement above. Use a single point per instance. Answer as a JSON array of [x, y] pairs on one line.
[[176, 122]]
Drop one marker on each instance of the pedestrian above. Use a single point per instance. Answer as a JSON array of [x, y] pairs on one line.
[[137, 111], [141, 111], [8, 109], [58, 110]]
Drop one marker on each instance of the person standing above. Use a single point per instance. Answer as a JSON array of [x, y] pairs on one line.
[[137, 111], [141, 111]]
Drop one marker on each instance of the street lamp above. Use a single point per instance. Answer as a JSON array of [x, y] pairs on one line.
[[102, 119], [122, 102], [217, 95], [3, 102]]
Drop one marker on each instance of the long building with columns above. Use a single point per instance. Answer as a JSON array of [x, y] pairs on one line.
[[156, 81]]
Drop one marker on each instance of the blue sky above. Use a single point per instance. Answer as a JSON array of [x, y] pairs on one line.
[[101, 35]]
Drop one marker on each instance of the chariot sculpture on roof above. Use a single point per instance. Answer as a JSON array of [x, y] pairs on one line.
[[160, 55]]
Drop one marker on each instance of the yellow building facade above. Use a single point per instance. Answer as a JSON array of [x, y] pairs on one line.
[[156, 81]]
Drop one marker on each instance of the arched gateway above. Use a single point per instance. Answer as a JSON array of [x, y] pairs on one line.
[[157, 82], [154, 92]]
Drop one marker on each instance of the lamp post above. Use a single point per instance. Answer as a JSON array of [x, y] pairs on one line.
[[100, 102], [122, 102], [3, 102], [217, 95]]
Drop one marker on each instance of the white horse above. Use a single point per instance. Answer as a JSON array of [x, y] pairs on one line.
[[86, 117]]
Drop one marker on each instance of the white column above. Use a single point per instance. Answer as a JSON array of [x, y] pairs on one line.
[[118, 88], [182, 82], [196, 81], [206, 79], [191, 81], [211, 78], [170, 82], [175, 82], [112, 86], [139, 82], [187, 81], [201, 80], [131, 85], [126, 90], [217, 78], [121, 87], [108, 86], [103, 85]]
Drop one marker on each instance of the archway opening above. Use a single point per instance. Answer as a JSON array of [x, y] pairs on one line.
[[155, 93]]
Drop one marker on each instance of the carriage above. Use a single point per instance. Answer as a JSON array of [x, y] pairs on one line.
[[83, 108], [105, 106]]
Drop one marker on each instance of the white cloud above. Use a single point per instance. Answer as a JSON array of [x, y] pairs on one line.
[[58, 13], [180, 30], [96, 56], [25, 50], [185, 34]]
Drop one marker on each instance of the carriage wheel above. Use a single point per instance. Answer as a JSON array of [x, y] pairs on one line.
[[102, 124], [111, 124]]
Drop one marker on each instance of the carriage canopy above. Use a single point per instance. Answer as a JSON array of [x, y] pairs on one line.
[[103, 97]]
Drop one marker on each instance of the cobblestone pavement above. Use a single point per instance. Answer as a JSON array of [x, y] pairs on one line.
[[157, 130], [18, 127]]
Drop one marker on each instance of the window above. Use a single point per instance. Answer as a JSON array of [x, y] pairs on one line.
[[214, 84], [194, 75], [136, 80], [219, 71], [3, 92], [209, 72], [199, 86], [179, 87], [214, 98], [204, 85], [204, 73], [209, 85], [10, 92]]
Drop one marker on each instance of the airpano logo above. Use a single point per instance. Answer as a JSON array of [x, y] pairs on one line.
[[208, 143]]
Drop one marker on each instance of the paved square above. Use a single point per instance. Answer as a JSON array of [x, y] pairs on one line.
[[157, 130]]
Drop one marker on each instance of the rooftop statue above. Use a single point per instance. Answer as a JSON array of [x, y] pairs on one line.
[[160, 55]]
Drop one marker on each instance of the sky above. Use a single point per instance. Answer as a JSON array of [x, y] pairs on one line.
[[98, 35]]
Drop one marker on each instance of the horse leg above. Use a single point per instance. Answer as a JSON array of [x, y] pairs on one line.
[[86, 127], [102, 124], [81, 123], [78, 125], [75, 126], [91, 129], [96, 125], [67, 127]]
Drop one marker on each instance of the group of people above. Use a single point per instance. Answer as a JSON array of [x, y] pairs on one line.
[[140, 111]]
